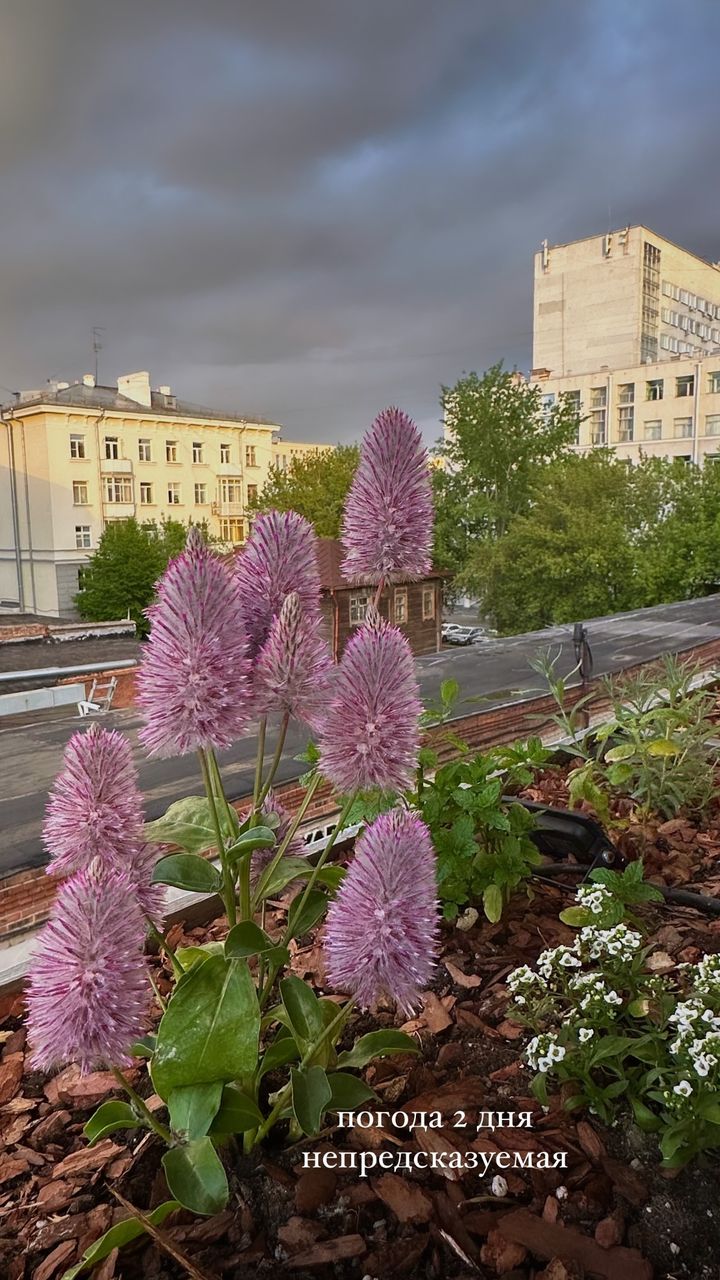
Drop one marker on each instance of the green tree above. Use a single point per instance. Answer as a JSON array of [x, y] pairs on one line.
[[679, 544], [315, 485], [572, 556], [500, 438], [120, 576]]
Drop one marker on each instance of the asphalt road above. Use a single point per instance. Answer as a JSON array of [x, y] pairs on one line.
[[488, 674]]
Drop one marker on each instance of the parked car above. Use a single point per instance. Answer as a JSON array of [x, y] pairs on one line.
[[464, 635], [449, 627]]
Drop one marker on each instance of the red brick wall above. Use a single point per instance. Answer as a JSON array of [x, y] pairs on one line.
[[23, 631]]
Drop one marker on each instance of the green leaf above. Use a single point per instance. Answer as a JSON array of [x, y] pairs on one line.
[[347, 1092], [663, 747], [122, 1233], [493, 903], [311, 1094], [303, 1009], [710, 1110], [377, 1044], [278, 1054], [237, 1114], [187, 871], [189, 956], [254, 838], [144, 1047], [109, 1117], [645, 1119], [193, 1108], [247, 939], [576, 916], [196, 1177], [302, 919], [623, 752], [287, 869], [619, 774], [210, 1029], [189, 824]]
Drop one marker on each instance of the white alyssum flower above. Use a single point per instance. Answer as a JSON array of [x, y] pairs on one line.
[[585, 1034], [594, 897], [684, 1088]]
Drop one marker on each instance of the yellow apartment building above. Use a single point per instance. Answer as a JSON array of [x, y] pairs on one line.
[[74, 457], [619, 300], [286, 451]]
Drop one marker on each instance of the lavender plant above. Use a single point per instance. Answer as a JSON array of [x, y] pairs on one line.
[[233, 645]]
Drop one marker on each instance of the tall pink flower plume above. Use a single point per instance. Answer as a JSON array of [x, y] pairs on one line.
[[95, 806], [278, 558], [293, 669], [88, 986], [382, 928], [370, 734], [387, 525], [193, 687]]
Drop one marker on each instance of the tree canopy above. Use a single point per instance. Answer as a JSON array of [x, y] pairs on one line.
[[120, 576], [315, 485], [500, 437]]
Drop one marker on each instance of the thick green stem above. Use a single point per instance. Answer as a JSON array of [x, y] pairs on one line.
[[142, 1109], [321, 862], [232, 818], [228, 892], [331, 1030], [259, 762], [282, 734]]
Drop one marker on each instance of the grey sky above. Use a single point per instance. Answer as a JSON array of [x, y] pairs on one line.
[[313, 208]]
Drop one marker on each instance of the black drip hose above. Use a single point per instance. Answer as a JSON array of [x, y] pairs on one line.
[[681, 897]]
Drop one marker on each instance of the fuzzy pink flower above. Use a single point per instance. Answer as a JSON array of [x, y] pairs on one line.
[[387, 525], [193, 687], [370, 735], [88, 986], [95, 806], [382, 928], [278, 558], [293, 669]]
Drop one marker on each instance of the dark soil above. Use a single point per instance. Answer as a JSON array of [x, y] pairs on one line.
[[610, 1212]]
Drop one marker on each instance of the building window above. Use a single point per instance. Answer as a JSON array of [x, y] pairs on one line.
[[200, 495], [232, 530], [77, 447], [685, 386], [400, 605], [428, 603], [144, 451], [224, 452], [683, 428], [171, 451], [82, 537], [80, 493], [146, 494], [173, 495], [358, 608], [547, 403], [626, 393], [252, 491], [654, 389], [598, 428], [714, 381], [197, 451], [712, 424], [118, 489], [250, 459], [598, 397], [625, 423], [653, 430], [230, 490], [112, 448]]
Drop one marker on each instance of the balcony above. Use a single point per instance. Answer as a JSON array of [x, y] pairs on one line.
[[117, 510], [116, 466], [227, 509]]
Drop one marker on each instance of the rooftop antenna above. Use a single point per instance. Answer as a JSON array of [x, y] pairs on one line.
[[98, 330]]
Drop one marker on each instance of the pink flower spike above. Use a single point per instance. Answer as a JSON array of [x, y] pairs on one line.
[[293, 670], [88, 986], [278, 558], [193, 687], [381, 934], [95, 807], [387, 525], [370, 736]]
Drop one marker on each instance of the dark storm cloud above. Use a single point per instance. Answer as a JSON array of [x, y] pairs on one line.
[[313, 209]]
